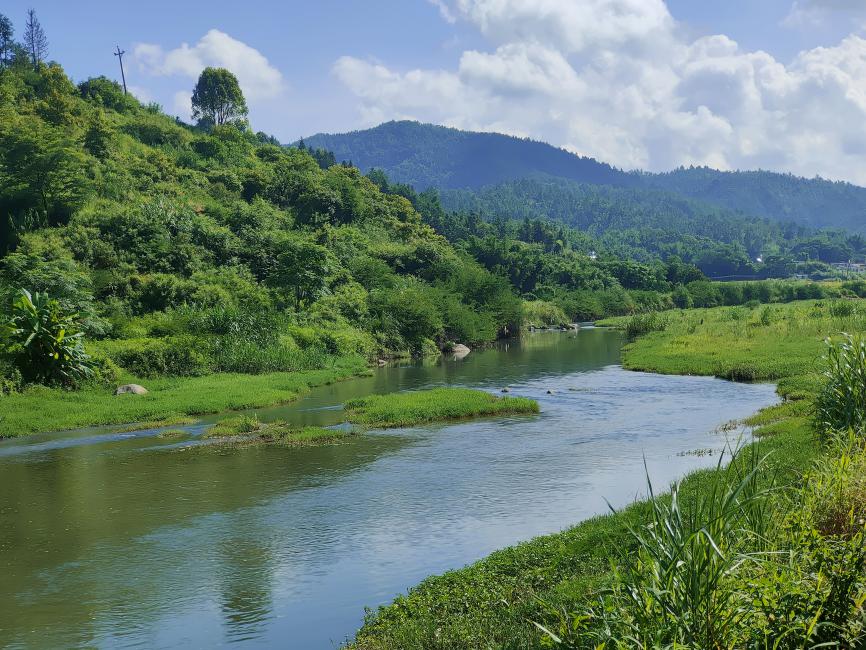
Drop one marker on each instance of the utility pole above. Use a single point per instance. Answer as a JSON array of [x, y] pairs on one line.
[[119, 54]]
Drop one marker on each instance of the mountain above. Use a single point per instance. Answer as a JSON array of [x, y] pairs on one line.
[[425, 155]]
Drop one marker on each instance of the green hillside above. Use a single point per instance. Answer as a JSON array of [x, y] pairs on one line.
[[425, 155]]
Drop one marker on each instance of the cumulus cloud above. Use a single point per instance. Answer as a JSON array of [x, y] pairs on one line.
[[258, 79], [621, 81]]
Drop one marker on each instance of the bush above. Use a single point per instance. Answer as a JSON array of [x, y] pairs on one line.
[[842, 308], [181, 356], [539, 313], [43, 340], [841, 404], [641, 324]]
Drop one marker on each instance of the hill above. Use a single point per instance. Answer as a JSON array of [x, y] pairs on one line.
[[425, 156]]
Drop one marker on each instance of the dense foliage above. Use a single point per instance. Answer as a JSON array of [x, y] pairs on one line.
[[425, 156], [191, 249], [645, 224]]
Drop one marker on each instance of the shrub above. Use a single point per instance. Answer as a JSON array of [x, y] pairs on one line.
[[43, 340], [842, 308], [539, 313], [682, 298], [841, 404], [641, 324], [180, 356]]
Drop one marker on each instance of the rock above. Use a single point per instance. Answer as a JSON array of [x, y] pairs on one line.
[[459, 351], [506, 390], [550, 392], [133, 389], [382, 362]]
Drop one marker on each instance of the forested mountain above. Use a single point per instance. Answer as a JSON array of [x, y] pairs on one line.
[[424, 156]]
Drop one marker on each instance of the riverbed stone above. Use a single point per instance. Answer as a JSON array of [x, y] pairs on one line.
[[460, 350], [131, 389]]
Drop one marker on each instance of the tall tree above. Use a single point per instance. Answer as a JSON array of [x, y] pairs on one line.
[[7, 42], [35, 40], [217, 97]]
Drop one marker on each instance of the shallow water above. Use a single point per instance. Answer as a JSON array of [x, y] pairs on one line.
[[127, 540]]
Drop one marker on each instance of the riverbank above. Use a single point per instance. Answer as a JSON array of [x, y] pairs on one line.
[[169, 400], [493, 603]]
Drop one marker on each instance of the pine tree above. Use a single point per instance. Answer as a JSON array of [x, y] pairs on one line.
[[7, 42], [35, 40]]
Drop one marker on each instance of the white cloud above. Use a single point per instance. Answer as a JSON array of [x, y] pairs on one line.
[[619, 80], [811, 13], [258, 79], [444, 10]]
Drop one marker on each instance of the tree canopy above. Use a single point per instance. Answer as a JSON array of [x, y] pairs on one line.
[[217, 97]]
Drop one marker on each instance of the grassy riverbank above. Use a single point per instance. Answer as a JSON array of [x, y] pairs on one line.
[[40, 409], [438, 404], [555, 580]]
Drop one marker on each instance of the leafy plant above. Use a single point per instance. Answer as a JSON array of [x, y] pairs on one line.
[[841, 405], [44, 341]]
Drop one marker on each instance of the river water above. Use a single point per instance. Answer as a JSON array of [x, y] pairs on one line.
[[127, 540]]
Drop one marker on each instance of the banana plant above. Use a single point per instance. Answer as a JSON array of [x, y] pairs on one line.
[[44, 340]]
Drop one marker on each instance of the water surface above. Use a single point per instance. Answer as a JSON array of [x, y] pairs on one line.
[[127, 540]]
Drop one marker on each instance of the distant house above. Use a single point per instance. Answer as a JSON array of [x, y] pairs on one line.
[[850, 267]]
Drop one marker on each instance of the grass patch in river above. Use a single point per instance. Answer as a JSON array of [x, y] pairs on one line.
[[247, 431], [437, 404], [170, 434]]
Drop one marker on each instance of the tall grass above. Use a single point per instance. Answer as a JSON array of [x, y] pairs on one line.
[[841, 405], [675, 590], [641, 324]]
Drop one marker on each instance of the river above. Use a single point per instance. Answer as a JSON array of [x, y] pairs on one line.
[[122, 540]]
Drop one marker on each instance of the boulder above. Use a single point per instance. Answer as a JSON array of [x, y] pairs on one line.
[[460, 350], [130, 389]]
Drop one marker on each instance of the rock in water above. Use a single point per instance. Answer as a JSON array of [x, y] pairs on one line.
[[133, 389], [460, 350]]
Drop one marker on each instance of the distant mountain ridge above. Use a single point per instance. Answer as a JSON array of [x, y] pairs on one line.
[[426, 155]]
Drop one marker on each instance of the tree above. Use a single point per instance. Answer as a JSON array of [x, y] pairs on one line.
[[7, 41], [217, 97], [35, 40]]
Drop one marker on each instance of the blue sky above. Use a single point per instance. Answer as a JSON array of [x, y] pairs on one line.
[[640, 83]]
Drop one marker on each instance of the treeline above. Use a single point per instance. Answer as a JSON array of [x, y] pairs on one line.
[[643, 225]]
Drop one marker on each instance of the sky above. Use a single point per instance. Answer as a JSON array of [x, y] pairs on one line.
[[649, 84]]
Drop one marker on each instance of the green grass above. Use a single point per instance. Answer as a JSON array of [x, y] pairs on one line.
[[765, 343], [246, 431], [172, 433], [492, 603], [438, 404], [41, 409], [234, 426]]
